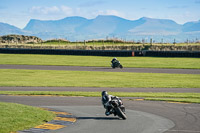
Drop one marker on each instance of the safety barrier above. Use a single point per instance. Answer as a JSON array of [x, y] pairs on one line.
[[67, 52], [102, 52], [172, 53]]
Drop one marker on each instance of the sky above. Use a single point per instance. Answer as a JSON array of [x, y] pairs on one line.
[[19, 12]]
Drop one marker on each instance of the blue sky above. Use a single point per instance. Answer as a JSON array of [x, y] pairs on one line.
[[19, 12]]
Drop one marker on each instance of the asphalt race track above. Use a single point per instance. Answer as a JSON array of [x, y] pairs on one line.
[[92, 120], [143, 116], [105, 69]]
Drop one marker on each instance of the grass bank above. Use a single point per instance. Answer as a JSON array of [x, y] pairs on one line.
[[98, 94], [65, 60], [176, 97], [15, 77], [15, 117], [183, 100], [105, 45]]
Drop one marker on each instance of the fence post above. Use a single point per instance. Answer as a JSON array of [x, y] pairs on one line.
[[162, 41], [151, 41], [143, 41], [187, 41], [174, 41]]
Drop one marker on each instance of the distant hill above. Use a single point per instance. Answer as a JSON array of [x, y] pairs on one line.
[[9, 29], [191, 26], [107, 26], [68, 25], [149, 26]]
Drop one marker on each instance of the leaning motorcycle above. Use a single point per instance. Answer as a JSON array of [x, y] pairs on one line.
[[117, 108], [116, 65]]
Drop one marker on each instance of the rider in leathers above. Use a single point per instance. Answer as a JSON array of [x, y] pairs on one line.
[[106, 98], [114, 60]]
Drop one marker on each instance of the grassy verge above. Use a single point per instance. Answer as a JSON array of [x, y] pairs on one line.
[[15, 77], [98, 94], [143, 62], [183, 100], [15, 117], [177, 97]]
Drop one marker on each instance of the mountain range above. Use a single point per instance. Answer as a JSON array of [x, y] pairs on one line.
[[107, 26]]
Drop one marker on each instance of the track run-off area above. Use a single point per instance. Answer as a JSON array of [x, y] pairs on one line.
[[143, 116]]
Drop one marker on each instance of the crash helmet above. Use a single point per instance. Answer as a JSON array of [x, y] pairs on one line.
[[115, 58], [104, 93]]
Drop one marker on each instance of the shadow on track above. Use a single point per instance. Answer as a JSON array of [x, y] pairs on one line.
[[98, 118], [103, 68]]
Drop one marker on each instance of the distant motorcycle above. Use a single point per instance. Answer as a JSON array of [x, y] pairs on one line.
[[118, 108], [116, 65]]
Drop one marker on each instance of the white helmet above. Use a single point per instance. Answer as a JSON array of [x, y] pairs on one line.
[[104, 93]]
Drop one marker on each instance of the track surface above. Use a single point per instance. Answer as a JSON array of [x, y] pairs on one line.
[[185, 117], [93, 116], [106, 69], [143, 116]]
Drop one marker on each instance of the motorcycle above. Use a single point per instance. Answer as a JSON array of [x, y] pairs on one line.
[[116, 65], [117, 108]]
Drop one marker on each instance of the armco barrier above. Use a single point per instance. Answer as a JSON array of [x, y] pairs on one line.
[[67, 52], [102, 52], [172, 53]]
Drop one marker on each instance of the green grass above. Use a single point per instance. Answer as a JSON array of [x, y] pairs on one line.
[[15, 77], [65, 60], [183, 100], [175, 97], [15, 117], [98, 94]]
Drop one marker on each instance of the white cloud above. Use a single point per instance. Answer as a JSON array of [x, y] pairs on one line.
[[110, 12], [105, 12], [92, 3], [63, 11], [67, 10], [58, 12], [44, 10]]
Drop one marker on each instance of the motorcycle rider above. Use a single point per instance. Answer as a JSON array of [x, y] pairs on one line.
[[114, 60], [106, 98], [116, 63]]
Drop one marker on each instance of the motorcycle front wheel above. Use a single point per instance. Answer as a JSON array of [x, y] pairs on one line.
[[120, 113]]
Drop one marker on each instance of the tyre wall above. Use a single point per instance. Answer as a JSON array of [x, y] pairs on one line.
[[172, 53], [102, 52], [67, 52]]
